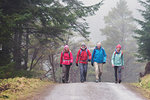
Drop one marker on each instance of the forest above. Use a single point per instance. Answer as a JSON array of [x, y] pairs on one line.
[[34, 32]]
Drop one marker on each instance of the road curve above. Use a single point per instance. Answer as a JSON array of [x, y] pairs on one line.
[[92, 91]]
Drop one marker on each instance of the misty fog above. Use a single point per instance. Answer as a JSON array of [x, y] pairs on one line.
[[96, 22]]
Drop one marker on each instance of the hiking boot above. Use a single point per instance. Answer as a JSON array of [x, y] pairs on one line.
[[82, 81], [100, 79], [116, 82], [63, 81], [67, 82], [119, 81], [97, 81]]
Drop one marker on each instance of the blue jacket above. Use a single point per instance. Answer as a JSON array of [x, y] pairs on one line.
[[98, 55]]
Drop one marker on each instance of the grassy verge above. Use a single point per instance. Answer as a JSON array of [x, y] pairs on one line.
[[144, 86], [15, 88]]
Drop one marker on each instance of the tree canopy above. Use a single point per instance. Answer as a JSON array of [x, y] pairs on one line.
[[28, 25], [143, 33]]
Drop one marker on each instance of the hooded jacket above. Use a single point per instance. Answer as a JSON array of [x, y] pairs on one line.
[[66, 58], [99, 55], [83, 56], [117, 59]]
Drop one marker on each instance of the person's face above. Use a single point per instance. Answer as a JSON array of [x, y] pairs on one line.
[[118, 49], [98, 46], [66, 49], [83, 46]]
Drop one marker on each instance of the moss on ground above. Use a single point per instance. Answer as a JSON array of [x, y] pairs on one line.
[[144, 86], [15, 88]]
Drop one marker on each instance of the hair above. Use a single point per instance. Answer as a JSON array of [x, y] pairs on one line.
[[98, 43]]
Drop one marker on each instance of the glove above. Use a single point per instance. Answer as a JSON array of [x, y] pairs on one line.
[[60, 65], [104, 62], [92, 64], [70, 64], [89, 60], [76, 64]]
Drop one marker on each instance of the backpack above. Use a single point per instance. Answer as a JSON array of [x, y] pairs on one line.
[[95, 51], [121, 54], [68, 53], [82, 50]]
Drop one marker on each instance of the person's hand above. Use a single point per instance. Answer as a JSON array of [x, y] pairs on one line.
[[104, 62], [113, 65], [70, 64], [60, 65], [89, 60], [122, 67], [92, 64], [76, 64]]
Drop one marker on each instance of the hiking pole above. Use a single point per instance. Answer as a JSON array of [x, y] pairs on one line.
[[61, 74], [0, 47]]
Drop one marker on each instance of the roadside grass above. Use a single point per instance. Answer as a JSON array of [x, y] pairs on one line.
[[15, 88], [144, 86]]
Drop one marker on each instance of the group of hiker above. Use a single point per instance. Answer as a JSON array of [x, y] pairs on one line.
[[97, 59]]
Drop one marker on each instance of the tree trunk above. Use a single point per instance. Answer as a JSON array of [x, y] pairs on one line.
[[147, 68], [17, 49], [26, 52], [33, 65], [51, 60], [33, 57]]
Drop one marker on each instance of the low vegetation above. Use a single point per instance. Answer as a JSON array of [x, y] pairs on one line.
[[15, 88], [144, 86]]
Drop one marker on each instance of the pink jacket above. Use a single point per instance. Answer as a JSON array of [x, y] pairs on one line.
[[66, 58]]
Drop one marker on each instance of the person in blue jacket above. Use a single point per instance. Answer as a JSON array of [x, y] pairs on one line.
[[98, 59]]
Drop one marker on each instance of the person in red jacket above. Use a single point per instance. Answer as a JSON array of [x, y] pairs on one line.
[[66, 61], [83, 56]]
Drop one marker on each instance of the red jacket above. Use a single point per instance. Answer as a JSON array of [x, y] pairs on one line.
[[83, 56], [66, 58]]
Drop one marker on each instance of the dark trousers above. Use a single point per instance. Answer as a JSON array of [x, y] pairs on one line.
[[65, 76], [117, 70], [83, 71]]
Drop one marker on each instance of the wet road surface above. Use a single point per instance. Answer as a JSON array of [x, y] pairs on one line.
[[92, 91]]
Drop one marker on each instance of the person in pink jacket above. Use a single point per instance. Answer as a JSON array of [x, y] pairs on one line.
[[66, 61]]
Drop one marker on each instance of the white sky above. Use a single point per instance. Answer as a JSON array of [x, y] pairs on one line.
[[96, 22]]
